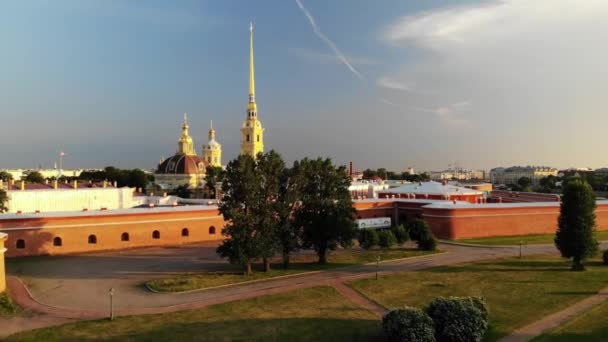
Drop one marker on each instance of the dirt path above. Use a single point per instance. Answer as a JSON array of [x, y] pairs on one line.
[[555, 320]]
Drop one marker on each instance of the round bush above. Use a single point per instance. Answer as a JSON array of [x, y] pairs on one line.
[[386, 239], [427, 243], [408, 324], [401, 234], [459, 319], [605, 257], [415, 229], [368, 238]]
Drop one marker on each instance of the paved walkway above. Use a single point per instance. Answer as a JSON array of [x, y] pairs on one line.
[[80, 291], [557, 319]]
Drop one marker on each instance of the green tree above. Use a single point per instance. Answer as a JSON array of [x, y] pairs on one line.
[[240, 188], [213, 176], [525, 183], [326, 211], [137, 178], [270, 168], [5, 176], [575, 237], [401, 234], [289, 234], [369, 174], [3, 200], [182, 191], [386, 238], [34, 177], [368, 238]]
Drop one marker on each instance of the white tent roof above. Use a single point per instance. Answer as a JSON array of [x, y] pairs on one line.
[[432, 188]]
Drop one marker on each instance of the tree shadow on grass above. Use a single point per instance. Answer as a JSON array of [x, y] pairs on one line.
[[281, 329]]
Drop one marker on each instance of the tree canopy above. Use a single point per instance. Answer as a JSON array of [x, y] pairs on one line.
[[3, 200], [34, 177], [575, 236], [326, 212]]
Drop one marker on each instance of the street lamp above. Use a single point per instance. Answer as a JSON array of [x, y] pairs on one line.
[[111, 304], [377, 266]]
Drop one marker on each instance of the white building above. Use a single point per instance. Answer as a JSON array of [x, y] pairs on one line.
[[511, 175], [366, 189]]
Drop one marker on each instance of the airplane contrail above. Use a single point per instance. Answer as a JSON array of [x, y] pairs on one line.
[[328, 41]]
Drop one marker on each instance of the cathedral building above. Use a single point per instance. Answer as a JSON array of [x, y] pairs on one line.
[[185, 167], [252, 132], [212, 151]]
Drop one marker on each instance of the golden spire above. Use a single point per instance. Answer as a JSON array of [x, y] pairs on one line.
[[211, 131], [185, 144], [252, 109]]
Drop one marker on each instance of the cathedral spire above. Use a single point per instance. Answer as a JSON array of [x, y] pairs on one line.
[[251, 107], [185, 144]]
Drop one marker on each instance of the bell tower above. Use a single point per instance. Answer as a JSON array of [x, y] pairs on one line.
[[252, 132], [185, 144], [212, 152]]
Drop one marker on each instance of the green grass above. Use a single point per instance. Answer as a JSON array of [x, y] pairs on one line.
[[518, 291], [299, 264], [313, 314], [526, 239], [7, 308], [590, 326]]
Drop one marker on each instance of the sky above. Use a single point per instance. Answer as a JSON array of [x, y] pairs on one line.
[[390, 83]]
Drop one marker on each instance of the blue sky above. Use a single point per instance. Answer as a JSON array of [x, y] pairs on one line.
[[409, 83]]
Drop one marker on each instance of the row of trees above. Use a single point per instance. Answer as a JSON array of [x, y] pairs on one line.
[[416, 230], [272, 209], [385, 174]]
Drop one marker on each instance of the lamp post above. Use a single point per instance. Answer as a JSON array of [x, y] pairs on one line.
[[111, 304], [377, 266]]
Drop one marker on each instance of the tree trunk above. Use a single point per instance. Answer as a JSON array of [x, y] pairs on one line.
[[322, 255], [577, 264], [266, 265], [248, 270], [285, 260]]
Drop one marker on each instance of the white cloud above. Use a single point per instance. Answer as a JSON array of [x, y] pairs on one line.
[[328, 41], [534, 70], [388, 83]]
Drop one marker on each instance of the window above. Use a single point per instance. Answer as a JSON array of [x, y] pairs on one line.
[[57, 241], [185, 232], [20, 244], [258, 138], [212, 230], [247, 137], [156, 234], [209, 159], [124, 237], [92, 239], [171, 166]]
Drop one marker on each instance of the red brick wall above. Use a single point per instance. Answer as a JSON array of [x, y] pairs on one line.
[[38, 233], [459, 223]]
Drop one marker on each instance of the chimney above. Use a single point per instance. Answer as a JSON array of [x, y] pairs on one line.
[[55, 184], [22, 185], [75, 184], [350, 168]]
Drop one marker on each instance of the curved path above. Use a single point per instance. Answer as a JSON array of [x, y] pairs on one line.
[[76, 287]]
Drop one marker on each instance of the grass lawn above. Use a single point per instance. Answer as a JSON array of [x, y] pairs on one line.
[[314, 314], [518, 291], [299, 263], [589, 327], [7, 308], [527, 239]]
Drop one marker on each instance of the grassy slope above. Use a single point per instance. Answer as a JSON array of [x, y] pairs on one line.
[[314, 314], [518, 291], [590, 326], [7, 308], [299, 264], [527, 239]]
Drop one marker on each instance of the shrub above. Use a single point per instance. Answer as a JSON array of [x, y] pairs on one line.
[[605, 257], [368, 238], [416, 228], [459, 319], [408, 324], [401, 234], [386, 239], [421, 233]]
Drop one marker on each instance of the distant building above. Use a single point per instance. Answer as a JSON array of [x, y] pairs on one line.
[[452, 174], [511, 175], [367, 189], [433, 191], [19, 174]]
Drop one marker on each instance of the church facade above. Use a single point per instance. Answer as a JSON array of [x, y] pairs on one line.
[[188, 168]]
